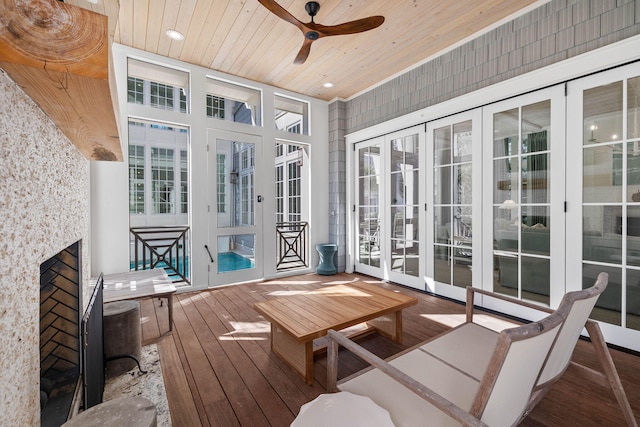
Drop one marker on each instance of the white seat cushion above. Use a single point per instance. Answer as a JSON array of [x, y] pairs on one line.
[[453, 347], [407, 408], [342, 409]]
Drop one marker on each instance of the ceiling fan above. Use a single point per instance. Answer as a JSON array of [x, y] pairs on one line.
[[313, 31]]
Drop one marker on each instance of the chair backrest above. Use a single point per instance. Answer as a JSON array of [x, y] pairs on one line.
[[514, 368], [533, 355], [581, 303]]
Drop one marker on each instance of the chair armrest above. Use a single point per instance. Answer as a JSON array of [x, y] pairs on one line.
[[470, 297], [446, 406]]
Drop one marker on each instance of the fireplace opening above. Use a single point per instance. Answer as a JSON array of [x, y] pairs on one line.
[[60, 311]]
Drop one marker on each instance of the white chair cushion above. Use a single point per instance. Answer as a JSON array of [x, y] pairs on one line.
[[407, 408], [342, 409], [453, 347]]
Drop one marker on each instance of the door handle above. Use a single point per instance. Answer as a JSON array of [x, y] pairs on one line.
[[209, 252], [259, 199]]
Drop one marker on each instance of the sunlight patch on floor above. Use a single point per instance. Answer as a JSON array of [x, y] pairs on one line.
[[288, 282], [286, 293], [339, 290], [453, 320], [228, 338], [260, 327], [244, 331]]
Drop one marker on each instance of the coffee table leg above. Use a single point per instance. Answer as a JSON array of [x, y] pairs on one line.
[[389, 325], [297, 355]]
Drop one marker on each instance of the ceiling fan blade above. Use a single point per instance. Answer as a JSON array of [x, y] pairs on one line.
[[351, 27], [304, 52], [280, 12]]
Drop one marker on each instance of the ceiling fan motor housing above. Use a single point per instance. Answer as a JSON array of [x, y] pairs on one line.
[[312, 8]]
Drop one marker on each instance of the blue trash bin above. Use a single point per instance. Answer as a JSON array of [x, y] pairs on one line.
[[326, 267]]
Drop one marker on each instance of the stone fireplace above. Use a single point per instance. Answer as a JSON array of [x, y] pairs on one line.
[[44, 207]]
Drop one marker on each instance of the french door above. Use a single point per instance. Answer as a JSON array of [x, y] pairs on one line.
[[235, 208], [387, 213], [524, 197], [454, 186], [604, 196], [368, 211]]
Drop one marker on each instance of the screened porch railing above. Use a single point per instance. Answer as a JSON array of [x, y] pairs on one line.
[[162, 247], [291, 245]]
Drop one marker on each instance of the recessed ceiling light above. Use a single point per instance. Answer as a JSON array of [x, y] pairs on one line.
[[327, 84], [175, 35]]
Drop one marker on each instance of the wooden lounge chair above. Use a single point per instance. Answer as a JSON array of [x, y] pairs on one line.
[[471, 375]]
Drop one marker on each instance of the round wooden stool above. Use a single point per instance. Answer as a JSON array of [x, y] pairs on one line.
[[124, 411], [122, 341]]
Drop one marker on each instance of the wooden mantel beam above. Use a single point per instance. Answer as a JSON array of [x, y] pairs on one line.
[[59, 55]]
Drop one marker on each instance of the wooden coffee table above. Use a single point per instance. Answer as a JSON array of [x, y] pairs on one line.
[[299, 319]]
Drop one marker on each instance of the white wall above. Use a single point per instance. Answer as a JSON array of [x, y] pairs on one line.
[[109, 227]]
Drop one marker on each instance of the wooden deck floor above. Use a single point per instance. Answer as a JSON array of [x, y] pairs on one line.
[[219, 370]]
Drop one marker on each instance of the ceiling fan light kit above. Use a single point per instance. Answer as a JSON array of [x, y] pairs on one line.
[[313, 31]]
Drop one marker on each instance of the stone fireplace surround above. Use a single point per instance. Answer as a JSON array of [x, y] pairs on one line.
[[44, 208]]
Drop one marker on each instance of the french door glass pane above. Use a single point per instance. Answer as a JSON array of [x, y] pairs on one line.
[[609, 305], [236, 208], [369, 175], [404, 214], [603, 113], [611, 194], [452, 176], [521, 201], [633, 108], [236, 252]]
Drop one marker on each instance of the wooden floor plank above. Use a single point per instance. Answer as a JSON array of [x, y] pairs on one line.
[[208, 388], [221, 345], [181, 401], [227, 362]]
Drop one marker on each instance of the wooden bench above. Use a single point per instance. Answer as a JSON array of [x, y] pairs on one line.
[[298, 320], [136, 285]]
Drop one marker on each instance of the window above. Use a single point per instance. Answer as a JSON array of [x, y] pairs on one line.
[[183, 101], [162, 180], [184, 182], [279, 193], [233, 102], [222, 173], [295, 195], [136, 179], [292, 115], [135, 90], [294, 128], [215, 107], [245, 199], [244, 155], [157, 86], [288, 170], [161, 96]]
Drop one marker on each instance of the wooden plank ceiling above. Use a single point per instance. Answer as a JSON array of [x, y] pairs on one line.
[[242, 38]]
